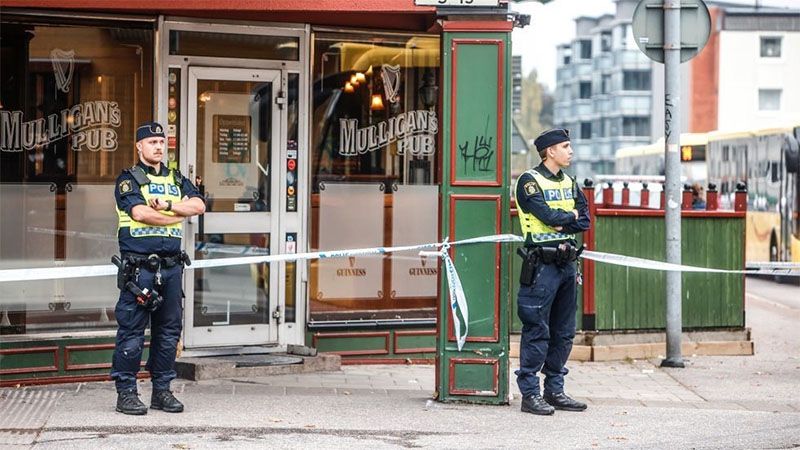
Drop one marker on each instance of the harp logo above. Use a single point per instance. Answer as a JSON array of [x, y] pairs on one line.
[[391, 82], [63, 66]]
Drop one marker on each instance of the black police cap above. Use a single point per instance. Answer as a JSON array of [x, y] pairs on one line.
[[551, 137], [149, 129]]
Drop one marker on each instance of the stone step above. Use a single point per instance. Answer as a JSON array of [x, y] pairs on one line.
[[254, 365], [615, 346]]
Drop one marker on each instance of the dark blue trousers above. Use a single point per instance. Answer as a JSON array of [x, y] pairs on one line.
[[547, 310], [165, 331]]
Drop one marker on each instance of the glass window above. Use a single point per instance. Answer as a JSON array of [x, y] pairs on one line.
[[586, 48], [586, 130], [229, 45], [374, 134], [770, 47], [605, 41], [635, 126], [586, 89], [636, 80], [605, 84], [769, 99], [71, 98]]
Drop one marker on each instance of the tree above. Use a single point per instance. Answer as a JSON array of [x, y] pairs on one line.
[[536, 113]]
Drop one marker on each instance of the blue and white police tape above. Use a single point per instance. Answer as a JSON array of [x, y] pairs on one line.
[[458, 302]]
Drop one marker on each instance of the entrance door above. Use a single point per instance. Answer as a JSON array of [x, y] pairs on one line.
[[233, 147]]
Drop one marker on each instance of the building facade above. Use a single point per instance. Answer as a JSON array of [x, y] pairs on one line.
[[603, 90], [745, 78], [309, 127]]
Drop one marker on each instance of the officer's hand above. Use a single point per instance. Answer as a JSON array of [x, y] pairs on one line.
[[157, 204], [559, 228], [575, 212]]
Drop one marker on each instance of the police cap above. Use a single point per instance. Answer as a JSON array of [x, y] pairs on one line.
[[149, 129], [551, 137]]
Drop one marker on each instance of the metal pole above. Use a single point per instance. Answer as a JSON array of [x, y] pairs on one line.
[[672, 134]]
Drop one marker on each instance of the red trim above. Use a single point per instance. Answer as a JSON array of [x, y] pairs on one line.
[[89, 347], [588, 264], [409, 361], [454, 110], [498, 224], [62, 379], [152, 6], [451, 388], [477, 25], [660, 213], [19, 351], [399, 351], [384, 335]]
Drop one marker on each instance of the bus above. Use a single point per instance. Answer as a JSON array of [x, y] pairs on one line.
[[649, 159], [768, 161]]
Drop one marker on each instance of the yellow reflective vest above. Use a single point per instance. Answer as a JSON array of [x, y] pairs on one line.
[[557, 195], [165, 188]]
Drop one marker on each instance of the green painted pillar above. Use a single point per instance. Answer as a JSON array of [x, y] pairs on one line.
[[476, 97]]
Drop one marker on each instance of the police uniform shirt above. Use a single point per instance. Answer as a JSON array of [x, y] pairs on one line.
[[128, 194], [531, 200]]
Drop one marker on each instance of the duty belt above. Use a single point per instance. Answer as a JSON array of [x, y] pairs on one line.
[[560, 255], [153, 262]]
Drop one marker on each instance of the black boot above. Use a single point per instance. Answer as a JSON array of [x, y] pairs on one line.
[[128, 403], [535, 404], [164, 400], [563, 402]]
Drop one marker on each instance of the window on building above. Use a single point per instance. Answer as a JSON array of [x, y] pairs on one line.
[[623, 34], [769, 99], [585, 48], [605, 84], [567, 57], [770, 46], [585, 89], [636, 126], [366, 182], [636, 80], [71, 98], [586, 130], [605, 41]]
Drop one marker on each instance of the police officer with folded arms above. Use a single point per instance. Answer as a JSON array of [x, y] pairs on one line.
[[552, 209], [152, 202]]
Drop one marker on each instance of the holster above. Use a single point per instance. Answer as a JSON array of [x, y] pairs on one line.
[[125, 270], [529, 266]]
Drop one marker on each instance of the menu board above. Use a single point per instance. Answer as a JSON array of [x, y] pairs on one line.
[[231, 139]]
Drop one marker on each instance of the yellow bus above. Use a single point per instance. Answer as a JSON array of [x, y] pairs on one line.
[[649, 159], [768, 161]]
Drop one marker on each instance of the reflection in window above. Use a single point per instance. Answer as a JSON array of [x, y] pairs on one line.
[[769, 99], [770, 47], [375, 120], [72, 97]]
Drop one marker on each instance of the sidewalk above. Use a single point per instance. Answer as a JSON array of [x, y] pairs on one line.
[[715, 402]]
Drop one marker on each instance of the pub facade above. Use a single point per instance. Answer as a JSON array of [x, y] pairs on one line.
[[308, 127]]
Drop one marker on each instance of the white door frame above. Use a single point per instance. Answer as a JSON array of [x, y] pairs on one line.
[[291, 222], [233, 222]]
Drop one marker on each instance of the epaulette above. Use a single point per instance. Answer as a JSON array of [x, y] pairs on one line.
[[138, 175]]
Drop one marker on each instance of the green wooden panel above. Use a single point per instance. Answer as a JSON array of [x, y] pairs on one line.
[[32, 361], [474, 377], [476, 112], [414, 342], [475, 263], [630, 298], [713, 300], [365, 344], [475, 100]]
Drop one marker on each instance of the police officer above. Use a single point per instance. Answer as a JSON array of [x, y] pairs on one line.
[[551, 211], [152, 202]]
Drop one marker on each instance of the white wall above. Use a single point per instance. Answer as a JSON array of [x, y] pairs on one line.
[[742, 72]]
